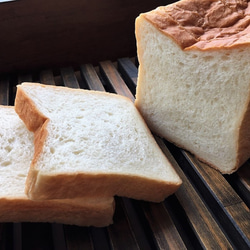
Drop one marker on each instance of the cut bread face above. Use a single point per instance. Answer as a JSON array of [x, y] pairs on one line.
[[90, 143], [16, 153], [196, 97]]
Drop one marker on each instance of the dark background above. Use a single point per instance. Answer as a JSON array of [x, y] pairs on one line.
[[55, 33]]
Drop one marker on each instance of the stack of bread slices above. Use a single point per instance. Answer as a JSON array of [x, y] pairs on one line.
[[71, 152]]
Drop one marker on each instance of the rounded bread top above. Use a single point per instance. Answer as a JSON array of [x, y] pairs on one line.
[[204, 24]]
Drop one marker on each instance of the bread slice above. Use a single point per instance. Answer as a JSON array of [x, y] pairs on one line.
[[90, 143], [16, 152], [194, 79]]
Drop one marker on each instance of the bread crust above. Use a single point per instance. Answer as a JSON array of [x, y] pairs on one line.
[[57, 211], [204, 24], [36, 122], [40, 136], [24, 106], [100, 185]]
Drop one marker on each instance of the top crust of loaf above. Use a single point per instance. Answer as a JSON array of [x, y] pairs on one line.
[[204, 24]]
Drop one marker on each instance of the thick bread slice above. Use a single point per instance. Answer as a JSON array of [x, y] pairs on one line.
[[16, 153], [90, 143], [194, 79]]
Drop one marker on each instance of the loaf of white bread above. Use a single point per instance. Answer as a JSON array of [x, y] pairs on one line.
[[91, 144], [194, 79], [16, 153]]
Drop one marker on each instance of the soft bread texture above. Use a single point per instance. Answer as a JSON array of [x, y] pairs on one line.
[[90, 143], [16, 153], [194, 81]]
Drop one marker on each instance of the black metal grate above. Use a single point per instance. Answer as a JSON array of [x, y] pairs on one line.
[[209, 211]]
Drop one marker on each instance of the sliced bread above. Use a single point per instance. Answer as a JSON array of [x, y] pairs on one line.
[[194, 81], [90, 143], [16, 153]]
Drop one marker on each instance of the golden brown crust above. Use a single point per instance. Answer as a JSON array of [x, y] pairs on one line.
[[204, 24], [36, 122], [101, 185], [25, 106], [75, 212]]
